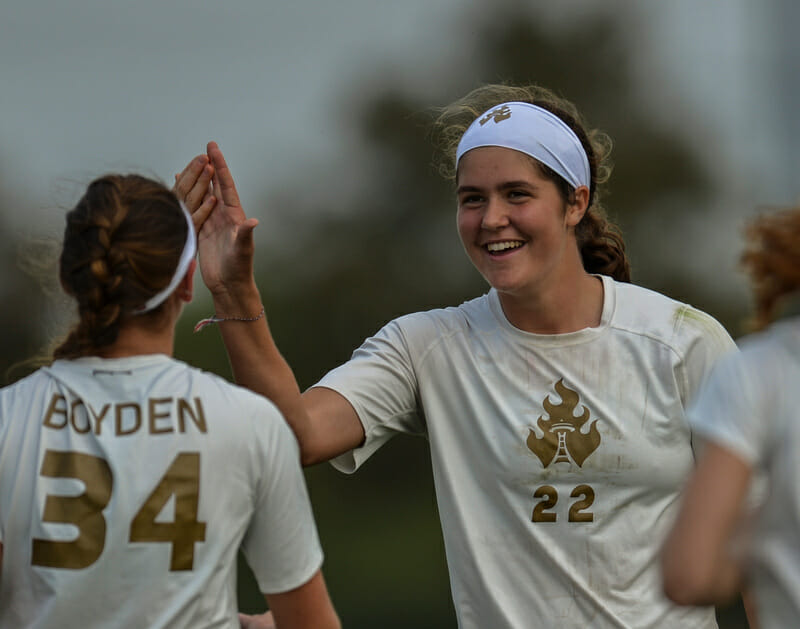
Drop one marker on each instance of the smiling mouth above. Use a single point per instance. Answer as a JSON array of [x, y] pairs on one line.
[[502, 247]]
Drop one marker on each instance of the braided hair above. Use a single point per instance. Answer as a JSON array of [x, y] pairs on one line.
[[121, 246]]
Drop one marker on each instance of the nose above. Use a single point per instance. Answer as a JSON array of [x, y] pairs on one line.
[[495, 215]]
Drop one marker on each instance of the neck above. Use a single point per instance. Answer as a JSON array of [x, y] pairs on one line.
[[568, 306], [134, 340]]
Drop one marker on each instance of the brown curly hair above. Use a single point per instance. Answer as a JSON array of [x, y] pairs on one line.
[[772, 261], [600, 241], [121, 246]]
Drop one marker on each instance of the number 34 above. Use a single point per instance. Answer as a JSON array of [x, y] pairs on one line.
[[182, 479]]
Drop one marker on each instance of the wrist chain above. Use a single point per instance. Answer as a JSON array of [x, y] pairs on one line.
[[215, 319]]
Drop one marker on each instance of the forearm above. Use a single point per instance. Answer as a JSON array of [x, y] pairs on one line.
[[323, 422], [256, 361], [716, 587], [701, 560]]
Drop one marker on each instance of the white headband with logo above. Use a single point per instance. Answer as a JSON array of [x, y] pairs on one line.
[[187, 255], [533, 131]]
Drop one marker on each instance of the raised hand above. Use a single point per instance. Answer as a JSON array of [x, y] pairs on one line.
[[193, 187], [225, 240]]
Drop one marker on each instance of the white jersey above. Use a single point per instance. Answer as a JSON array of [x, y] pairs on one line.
[[751, 406], [557, 459], [127, 487]]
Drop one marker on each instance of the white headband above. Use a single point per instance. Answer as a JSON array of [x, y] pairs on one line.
[[189, 249], [533, 131]]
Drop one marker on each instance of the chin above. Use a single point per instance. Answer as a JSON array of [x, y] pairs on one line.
[[505, 286]]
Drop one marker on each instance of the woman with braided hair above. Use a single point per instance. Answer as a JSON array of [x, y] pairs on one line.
[[129, 480], [748, 416], [553, 404]]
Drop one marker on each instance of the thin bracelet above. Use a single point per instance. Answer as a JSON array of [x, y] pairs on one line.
[[215, 319]]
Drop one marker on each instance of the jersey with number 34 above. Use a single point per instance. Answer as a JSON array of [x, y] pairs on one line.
[[127, 487]]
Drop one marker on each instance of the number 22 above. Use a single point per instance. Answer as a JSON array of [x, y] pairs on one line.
[[549, 498], [182, 479]]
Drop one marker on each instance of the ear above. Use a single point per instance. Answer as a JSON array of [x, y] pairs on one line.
[[185, 289], [578, 207]]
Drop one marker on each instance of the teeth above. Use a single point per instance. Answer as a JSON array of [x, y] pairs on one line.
[[502, 246]]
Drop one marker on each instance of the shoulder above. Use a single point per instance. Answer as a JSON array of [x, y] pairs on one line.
[[245, 417], [430, 324], [226, 394], [26, 386], [651, 314], [17, 399]]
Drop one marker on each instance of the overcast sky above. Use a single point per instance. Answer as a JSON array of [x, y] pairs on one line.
[[95, 85], [91, 85]]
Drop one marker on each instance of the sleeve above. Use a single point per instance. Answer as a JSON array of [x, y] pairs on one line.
[[381, 384], [281, 543], [705, 341], [729, 410]]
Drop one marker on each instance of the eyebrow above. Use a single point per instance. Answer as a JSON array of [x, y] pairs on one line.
[[503, 186], [461, 189]]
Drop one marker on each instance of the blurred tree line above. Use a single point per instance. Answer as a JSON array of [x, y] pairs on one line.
[[392, 248]]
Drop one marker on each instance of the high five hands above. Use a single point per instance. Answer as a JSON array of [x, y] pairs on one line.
[[225, 234]]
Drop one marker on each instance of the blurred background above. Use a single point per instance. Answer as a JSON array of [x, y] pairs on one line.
[[322, 110]]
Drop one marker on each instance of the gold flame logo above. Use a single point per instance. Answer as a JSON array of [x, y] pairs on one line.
[[498, 114], [563, 439]]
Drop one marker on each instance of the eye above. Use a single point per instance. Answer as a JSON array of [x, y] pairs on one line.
[[470, 199], [518, 194]]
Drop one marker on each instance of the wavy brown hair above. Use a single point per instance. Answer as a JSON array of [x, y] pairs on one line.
[[772, 261], [600, 241], [121, 246]]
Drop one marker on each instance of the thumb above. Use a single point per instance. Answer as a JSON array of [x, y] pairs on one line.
[[244, 234]]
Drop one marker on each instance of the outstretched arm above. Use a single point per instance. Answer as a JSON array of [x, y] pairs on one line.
[[324, 423]]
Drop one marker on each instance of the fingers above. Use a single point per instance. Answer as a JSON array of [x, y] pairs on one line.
[[201, 189], [203, 211], [224, 187], [194, 183], [193, 166]]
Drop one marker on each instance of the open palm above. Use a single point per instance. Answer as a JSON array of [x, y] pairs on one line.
[[225, 239]]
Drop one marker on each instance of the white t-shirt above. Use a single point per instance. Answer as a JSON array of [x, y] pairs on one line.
[[127, 487], [751, 406], [557, 459]]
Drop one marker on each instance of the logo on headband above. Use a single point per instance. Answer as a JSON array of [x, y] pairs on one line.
[[498, 115]]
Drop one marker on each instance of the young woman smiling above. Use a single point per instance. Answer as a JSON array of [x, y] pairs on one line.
[[553, 404]]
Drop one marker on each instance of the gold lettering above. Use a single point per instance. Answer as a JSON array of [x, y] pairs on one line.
[[99, 418], [544, 510], [541, 512], [198, 418], [118, 417], [153, 415], [53, 410], [84, 512], [181, 480], [77, 404], [578, 512]]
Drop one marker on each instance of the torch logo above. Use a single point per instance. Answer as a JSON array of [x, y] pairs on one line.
[[563, 439]]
